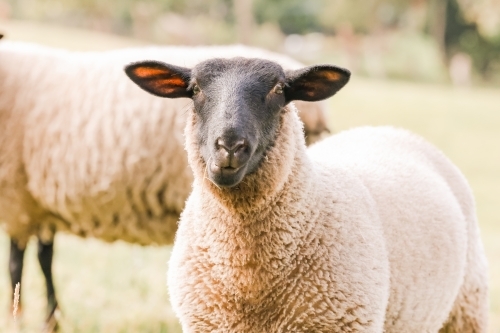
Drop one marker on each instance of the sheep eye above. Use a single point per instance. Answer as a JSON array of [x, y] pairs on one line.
[[278, 89], [196, 89]]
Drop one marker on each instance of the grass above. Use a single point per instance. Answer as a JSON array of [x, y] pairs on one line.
[[121, 287], [101, 287]]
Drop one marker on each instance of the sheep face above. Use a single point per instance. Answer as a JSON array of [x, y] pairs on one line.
[[237, 105]]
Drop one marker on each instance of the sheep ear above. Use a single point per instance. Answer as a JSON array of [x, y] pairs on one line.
[[315, 83], [1, 36], [160, 79]]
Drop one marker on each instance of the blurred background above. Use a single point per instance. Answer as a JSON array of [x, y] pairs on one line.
[[441, 41], [432, 66]]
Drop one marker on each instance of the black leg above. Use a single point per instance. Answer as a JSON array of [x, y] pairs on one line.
[[45, 255], [16, 260]]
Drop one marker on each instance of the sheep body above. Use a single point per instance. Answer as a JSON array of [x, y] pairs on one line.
[[259, 268], [371, 230], [430, 229], [84, 150], [104, 161]]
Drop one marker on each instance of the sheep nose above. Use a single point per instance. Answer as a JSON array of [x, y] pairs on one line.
[[232, 153], [231, 147]]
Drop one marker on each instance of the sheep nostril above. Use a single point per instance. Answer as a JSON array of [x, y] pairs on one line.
[[239, 146], [221, 144], [231, 148], [231, 154]]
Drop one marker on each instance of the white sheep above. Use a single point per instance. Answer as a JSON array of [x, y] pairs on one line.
[[83, 150], [371, 230]]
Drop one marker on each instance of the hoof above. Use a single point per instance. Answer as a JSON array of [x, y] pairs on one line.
[[51, 323]]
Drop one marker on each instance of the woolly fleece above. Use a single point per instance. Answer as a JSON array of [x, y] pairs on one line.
[[83, 149], [371, 230]]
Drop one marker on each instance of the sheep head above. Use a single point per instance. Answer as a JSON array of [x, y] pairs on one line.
[[237, 104]]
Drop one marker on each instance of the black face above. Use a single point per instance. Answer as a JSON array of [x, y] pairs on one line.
[[237, 103]]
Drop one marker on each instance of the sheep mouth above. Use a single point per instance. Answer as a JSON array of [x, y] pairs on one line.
[[226, 176]]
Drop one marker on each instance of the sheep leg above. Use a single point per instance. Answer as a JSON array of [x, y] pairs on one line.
[[45, 255], [16, 260], [469, 313], [470, 310]]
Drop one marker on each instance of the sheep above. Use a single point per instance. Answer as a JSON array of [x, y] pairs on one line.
[[83, 150], [370, 230]]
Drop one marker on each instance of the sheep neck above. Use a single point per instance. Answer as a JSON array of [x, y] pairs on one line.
[[236, 234]]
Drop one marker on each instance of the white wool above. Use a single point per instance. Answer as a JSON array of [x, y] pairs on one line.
[[430, 227], [372, 230], [93, 154]]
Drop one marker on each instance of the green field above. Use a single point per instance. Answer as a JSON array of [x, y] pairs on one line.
[[121, 288]]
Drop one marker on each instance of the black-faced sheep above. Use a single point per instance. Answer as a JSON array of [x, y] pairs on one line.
[[84, 150], [371, 230]]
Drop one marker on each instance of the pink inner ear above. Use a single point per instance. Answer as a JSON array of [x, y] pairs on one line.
[[173, 81], [332, 76], [165, 89], [145, 72]]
